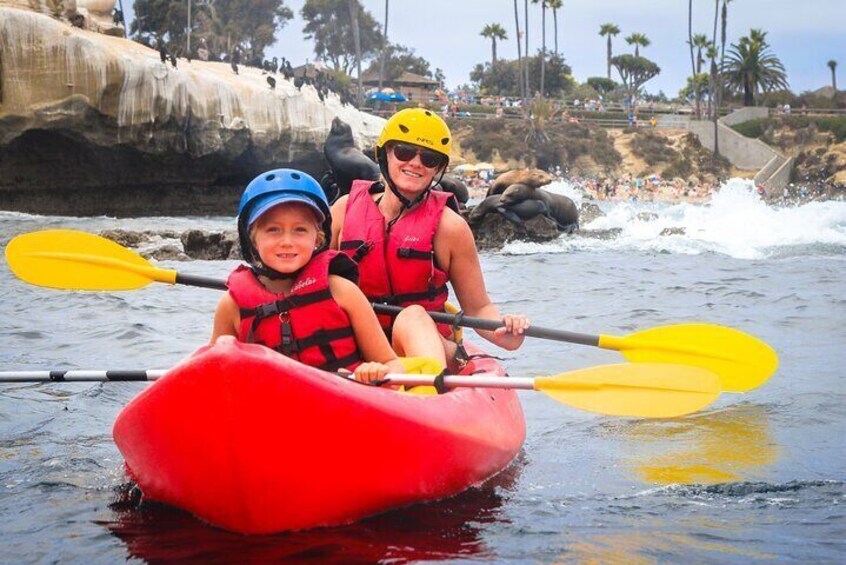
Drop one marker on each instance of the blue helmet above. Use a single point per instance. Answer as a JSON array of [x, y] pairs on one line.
[[275, 187]]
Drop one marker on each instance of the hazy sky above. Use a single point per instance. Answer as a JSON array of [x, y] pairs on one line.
[[804, 35]]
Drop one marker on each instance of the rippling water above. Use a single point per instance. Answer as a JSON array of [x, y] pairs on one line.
[[756, 477]]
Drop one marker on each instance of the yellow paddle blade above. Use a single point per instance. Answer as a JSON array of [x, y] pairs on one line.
[[742, 361], [74, 260], [648, 390]]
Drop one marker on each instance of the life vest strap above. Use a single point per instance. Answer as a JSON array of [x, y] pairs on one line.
[[285, 304], [362, 248], [408, 253], [342, 362]]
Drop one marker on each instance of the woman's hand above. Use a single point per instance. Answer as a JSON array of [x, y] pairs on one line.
[[371, 371], [512, 334]]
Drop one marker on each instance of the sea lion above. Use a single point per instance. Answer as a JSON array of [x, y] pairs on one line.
[[561, 208], [534, 178], [517, 212], [346, 161], [489, 204], [455, 186]]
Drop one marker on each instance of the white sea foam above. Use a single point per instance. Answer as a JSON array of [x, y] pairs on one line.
[[736, 222]]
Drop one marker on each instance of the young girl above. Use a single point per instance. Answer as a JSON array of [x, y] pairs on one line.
[[297, 297]]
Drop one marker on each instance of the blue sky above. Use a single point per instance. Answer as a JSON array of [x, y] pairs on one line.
[[804, 35]]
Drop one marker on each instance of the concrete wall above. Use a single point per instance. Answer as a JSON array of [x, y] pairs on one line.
[[744, 115], [743, 152]]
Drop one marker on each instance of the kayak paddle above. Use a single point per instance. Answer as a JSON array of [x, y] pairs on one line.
[[48, 258], [648, 390]]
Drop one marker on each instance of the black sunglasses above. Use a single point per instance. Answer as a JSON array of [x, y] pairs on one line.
[[430, 159]]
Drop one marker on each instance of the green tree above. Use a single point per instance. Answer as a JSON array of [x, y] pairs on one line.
[[833, 66], [329, 24], [610, 30], [493, 32], [507, 77], [398, 59], [638, 40], [602, 85], [752, 67], [252, 25], [693, 89], [635, 71]]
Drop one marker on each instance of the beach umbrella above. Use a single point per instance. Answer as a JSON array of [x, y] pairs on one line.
[[388, 90], [465, 168], [380, 96], [397, 97]]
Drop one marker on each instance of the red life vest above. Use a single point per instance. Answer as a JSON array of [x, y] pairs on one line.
[[397, 266], [307, 324]]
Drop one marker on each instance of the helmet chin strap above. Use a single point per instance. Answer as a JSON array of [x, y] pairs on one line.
[[273, 274]]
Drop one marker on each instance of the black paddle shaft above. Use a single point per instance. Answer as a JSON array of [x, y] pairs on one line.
[[205, 282], [484, 324], [440, 317]]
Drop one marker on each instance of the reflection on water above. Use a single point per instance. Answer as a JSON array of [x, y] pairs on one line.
[[647, 548], [728, 445], [437, 531]]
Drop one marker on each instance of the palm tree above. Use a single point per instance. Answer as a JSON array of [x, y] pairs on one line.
[[519, 55], [699, 42], [384, 46], [751, 66], [555, 5], [638, 40], [695, 82], [833, 65], [493, 32], [543, 42], [724, 23], [609, 30], [711, 53], [353, 5], [526, 45]]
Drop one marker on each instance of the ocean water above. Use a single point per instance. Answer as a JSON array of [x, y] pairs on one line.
[[757, 477]]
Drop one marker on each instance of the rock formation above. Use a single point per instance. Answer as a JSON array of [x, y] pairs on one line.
[[96, 124]]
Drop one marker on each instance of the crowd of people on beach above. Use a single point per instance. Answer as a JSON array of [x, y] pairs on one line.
[[647, 189]]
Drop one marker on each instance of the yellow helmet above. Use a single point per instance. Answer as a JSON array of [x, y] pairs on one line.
[[418, 126]]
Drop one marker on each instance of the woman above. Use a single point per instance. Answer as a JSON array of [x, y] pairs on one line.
[[409, 241]]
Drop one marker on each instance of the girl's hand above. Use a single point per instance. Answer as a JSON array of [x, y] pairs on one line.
[[371, 371], [512, 334]]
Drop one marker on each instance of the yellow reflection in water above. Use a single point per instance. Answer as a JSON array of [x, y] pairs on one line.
[[729, 445], [642, 548]]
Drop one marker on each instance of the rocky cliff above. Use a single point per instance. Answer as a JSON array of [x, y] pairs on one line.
[[96, 124]]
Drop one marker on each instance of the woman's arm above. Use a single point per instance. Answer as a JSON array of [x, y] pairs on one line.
[[227, 318], [454, 240], [380, 359], [339, 209]]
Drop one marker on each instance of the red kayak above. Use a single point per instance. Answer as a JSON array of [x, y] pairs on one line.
[[253, 442]]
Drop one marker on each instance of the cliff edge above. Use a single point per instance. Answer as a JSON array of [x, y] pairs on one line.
[[97, 124]]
